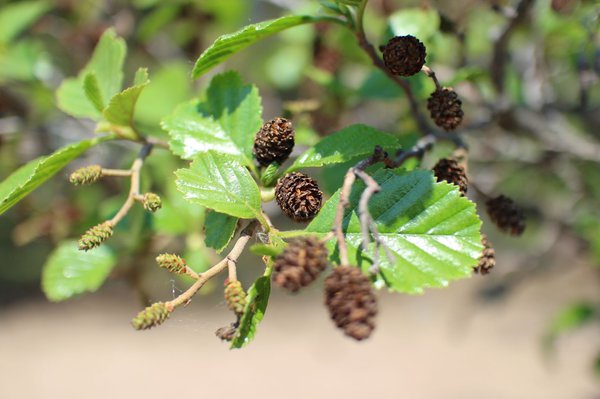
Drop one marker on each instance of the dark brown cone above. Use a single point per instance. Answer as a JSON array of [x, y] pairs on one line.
[[404, 55], [487, 261], [445, 108], [298, 196], [274, 141], [300, 263], [449, 170], [351, 301], [506, 215]]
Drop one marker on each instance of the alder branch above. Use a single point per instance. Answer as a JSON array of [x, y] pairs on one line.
[[378, 156], [500, 52], [232, 257]]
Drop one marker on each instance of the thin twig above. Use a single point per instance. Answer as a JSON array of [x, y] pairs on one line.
[[134, 189], [429, 72], [233, 255], [116, 172], [378, 156], [500, 52]]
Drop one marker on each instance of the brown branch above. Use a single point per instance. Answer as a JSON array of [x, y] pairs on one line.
[[378, 156], [231, 257]]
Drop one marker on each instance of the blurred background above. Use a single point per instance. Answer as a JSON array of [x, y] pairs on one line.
[[529, 85]]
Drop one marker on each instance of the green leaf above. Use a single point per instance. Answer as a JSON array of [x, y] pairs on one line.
[[16, 17], [92, 91], [258, 299], [419, 22], [432, 231], [69, 271], [266, 250], [219, 230], [27, 178], [229, 44], [349, 143], [107, 64], [354, 3], [169, 87], [122, 106], [225, 122], [71, 98], [218, 181], [141, 77], [572, 317]]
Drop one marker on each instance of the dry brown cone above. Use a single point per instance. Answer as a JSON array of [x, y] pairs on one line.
[[300, 263], [298, 196], [487, 261], [445, 108], [351, 302], [449, 170], [404, 55], [274, 141], [506, 214]]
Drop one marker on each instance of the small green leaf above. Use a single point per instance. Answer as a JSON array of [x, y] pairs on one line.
[[69, 271], [354, 3], [572, 317], [219, 181], [219, 230], [27, 178], [122, 106], [349, 143], [229, 44], [266, 250], [107, 64], [141, 77], [256, 306], [16, 17], [92, 91], [432, 231], [169, 86], [225, 122]]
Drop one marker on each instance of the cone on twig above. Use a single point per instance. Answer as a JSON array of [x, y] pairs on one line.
[[172, 263], [487, 261], [351, 302], [235, 296], [95, 236], [87, 175], [274, 141], [404, 55], [298, 196], [151, 202], [300, 263], [451, 171], [153, 315], [506, 214], [445, 108]]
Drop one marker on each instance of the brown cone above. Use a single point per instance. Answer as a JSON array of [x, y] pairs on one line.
[[274, 141], [487, 261], [300, 263], [351, 301], [227, 333], [445, 108], [298, 196], [449, 170], [506, 215], [404, 55]]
